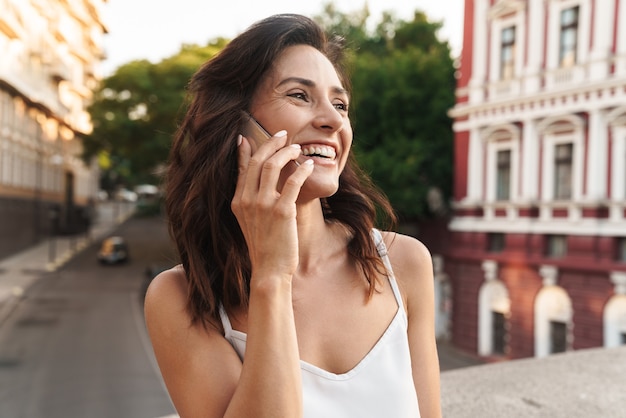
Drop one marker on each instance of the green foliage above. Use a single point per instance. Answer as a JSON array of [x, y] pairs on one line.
[[135, 113], [403, 86]]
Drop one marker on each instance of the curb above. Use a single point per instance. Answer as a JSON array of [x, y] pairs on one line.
[[12, 297]]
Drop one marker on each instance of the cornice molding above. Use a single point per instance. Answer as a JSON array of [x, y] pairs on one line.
[[506, 7], [468, 109]]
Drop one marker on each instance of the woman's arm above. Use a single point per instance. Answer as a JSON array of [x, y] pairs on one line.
[[413, 269], [201, 370]]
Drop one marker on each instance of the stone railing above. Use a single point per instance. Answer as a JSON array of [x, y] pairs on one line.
[[584, 383]]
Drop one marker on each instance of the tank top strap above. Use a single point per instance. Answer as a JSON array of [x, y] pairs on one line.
[[228, 328], [384, 255]]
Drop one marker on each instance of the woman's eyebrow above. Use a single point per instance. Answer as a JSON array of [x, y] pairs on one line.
[[310, 83]]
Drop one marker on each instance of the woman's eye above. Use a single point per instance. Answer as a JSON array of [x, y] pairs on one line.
[[341, 106], [298, 95]]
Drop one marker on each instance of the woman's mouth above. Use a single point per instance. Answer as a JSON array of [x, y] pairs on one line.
[[320, 151]]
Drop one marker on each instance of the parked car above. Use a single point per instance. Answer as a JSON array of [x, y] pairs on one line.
[[113, 250], [125, 195]]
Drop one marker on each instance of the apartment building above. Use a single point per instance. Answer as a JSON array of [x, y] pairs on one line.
[[49, 53], [537, 253]]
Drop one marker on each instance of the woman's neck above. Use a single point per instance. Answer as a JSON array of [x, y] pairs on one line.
[[318, 239]]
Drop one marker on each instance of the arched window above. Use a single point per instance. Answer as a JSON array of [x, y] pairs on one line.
[[502, 169], [615, 313], [553, 316], [562, 158], [494, 308]]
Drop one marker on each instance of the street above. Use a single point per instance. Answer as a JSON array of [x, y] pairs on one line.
[[76, 345]]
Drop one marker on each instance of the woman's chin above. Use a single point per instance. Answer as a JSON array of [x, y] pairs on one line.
[[312, 191]]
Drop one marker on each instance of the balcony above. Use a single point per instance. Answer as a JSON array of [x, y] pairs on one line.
[[543, 84], [560, 78], [504, 89]]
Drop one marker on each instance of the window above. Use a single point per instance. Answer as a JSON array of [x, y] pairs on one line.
[[563, 160], [621, 249], [495, 242], [568, 37], [503, 175], [558, 337], [499, 332], [507, 53], [556, 246]]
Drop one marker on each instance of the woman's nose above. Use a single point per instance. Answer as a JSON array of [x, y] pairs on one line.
[[328, 117]]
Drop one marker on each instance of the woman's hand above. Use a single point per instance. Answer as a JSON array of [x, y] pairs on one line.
[[267, 213]]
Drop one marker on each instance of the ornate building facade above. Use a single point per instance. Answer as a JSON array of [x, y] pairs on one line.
[[49, 53], [537, 252]]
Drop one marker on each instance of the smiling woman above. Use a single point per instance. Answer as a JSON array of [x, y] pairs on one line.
[[289, 301]]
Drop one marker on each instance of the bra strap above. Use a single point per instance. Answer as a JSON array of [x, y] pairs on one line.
[[228, 328], [384, 255]]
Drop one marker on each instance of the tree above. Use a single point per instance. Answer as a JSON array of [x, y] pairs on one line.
[[135, 113], [403, 86]]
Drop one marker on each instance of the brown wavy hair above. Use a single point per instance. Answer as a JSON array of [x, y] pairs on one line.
[[202, 171]]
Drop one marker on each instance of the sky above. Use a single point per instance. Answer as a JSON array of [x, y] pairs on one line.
[[156, 29]]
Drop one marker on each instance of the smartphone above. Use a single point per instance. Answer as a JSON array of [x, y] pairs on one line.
[[252, 129]]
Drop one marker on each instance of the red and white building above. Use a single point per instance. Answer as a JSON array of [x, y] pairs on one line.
[[537, 253]]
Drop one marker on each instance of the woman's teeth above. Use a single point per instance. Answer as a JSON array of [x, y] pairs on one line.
[[319, 151]]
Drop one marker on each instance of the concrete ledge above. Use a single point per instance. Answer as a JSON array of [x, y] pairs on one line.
[[583, 383]]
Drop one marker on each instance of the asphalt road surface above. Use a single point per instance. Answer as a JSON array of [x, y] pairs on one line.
[[76, 344]]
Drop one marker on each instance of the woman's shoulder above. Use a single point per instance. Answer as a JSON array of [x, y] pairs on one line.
[[411, 263], [167, 296], [170, 282], [405, 249]]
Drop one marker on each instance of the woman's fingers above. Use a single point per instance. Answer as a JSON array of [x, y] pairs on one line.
[[293, 184], [273, 168], [267, 150], [260, 174]]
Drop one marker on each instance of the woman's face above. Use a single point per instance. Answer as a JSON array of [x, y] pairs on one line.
[[303, 95]]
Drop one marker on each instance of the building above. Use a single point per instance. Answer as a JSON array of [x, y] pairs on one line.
[[49, 53], [537, 251]]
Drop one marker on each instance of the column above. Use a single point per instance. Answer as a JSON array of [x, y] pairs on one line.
[[479, 48], [597, 157], [530, 162], [475, 167], [620, 67], [602, 39], [536, 46]]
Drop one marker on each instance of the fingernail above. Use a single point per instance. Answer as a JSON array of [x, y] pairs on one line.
[[280, 134], [308, 162], [239, 140], [297, 146]]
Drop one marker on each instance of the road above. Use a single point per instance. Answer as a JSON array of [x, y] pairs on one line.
[[76, 344]]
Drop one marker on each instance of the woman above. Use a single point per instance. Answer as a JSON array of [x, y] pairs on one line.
[[288, 302]]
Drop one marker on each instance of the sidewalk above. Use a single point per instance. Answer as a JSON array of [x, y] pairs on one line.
[[19, 271]]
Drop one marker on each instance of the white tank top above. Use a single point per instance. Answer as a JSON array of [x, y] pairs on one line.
[[379, 386]]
